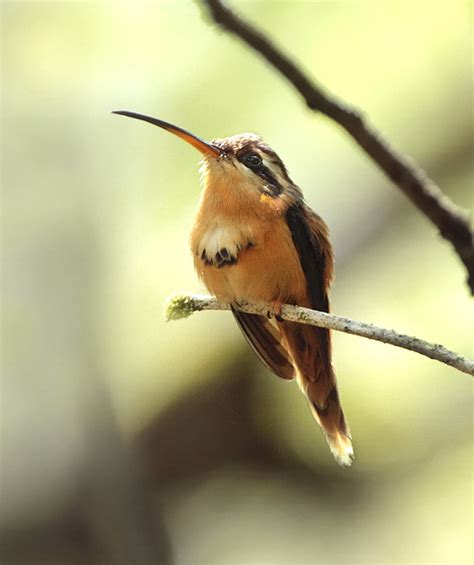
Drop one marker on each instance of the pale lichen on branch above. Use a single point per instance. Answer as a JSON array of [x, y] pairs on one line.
[[182, 306]]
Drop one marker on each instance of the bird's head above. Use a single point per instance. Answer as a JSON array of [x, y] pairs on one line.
[[242, 163]]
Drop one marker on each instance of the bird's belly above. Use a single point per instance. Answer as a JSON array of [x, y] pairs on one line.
[[269, 271]]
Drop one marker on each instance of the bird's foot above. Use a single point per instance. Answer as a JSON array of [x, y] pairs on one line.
[[275, 310]]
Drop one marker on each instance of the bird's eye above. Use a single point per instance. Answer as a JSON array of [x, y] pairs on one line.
[[252, 160]]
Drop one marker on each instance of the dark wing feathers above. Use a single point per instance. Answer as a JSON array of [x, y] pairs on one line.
[[310, 346], [313, 261], [265, 340]]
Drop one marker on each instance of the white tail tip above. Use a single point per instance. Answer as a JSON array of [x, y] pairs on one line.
[[341, 447]]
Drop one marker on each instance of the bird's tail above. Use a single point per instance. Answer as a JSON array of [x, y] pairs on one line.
[[310, 349]]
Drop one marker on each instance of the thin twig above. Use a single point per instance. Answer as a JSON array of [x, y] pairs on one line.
[[451, 221], [183, 306]]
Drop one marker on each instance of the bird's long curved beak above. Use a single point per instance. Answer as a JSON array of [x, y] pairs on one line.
[[201, 145]]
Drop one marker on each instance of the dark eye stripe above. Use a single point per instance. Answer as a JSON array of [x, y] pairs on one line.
[[264, 172], [275, 160], [272, 184]]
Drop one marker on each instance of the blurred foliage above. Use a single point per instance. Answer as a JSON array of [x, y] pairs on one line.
[[95, 216]]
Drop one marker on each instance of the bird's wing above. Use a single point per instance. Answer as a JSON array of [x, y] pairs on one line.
[[264, 338], [311, 346], [310, 237]]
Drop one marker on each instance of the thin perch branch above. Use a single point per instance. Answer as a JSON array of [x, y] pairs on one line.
[[183, 306], [451, 221]]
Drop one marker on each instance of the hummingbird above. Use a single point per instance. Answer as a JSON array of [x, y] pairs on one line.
[[254, 238]]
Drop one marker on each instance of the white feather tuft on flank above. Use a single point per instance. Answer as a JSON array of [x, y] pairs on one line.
[[341, 448]]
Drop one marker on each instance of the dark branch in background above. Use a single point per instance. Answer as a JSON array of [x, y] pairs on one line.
[[451, 221]]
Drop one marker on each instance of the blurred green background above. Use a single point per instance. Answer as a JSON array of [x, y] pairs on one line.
[[129, 440]]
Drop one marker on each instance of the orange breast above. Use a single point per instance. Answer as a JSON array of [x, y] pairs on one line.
[[269, 270]]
